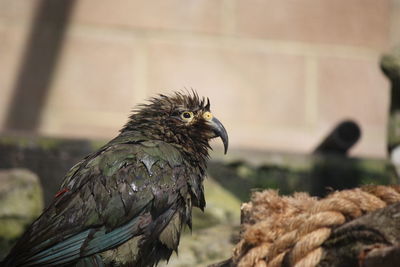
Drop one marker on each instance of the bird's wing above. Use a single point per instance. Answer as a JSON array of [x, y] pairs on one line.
[[125, 190]]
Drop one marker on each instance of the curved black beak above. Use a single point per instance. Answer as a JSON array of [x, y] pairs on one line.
[[220, 131]]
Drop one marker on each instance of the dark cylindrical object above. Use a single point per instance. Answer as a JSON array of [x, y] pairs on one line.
[[340, 139], [390, 65]]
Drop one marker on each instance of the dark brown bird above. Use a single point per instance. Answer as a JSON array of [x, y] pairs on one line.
[[126, 204]]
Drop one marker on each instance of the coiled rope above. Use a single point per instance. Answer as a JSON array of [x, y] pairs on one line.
[[282, 228]]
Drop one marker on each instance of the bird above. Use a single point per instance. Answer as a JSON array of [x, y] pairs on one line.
[[127, 203]]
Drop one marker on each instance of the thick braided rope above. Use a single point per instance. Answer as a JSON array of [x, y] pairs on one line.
[[294, 228]]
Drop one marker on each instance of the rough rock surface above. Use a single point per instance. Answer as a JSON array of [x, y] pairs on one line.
[[21, 201]]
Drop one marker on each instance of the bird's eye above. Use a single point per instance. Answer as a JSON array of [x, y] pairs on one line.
[[207, 116], [187, 116]]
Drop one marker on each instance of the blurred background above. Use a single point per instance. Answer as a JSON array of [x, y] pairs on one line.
[[281, 75]]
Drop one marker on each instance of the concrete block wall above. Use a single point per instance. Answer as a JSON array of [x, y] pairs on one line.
[[280, 73]]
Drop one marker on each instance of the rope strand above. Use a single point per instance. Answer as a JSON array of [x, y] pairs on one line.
[[292, 229]]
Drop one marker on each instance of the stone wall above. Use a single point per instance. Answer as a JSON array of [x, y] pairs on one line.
[[279, 73]]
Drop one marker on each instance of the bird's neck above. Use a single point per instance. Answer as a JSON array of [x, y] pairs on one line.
[[194, 148]]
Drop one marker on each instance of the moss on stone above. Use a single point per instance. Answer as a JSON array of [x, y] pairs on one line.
[[21, 201]]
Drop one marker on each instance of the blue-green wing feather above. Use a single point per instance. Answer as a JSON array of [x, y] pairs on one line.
[[61, 252]]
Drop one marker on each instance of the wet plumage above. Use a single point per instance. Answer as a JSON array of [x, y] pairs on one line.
[[126, 204]]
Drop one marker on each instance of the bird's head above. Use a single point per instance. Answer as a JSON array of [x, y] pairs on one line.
[[180, 118]]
